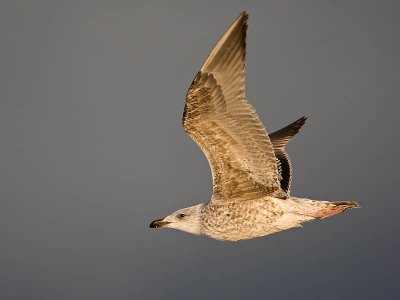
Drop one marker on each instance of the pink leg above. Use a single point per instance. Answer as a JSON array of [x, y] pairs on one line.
[[330, 211]]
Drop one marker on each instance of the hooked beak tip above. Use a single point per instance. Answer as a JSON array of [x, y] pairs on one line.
[[158, 223]]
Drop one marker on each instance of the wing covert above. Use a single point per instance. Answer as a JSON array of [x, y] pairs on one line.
[[225, 125]]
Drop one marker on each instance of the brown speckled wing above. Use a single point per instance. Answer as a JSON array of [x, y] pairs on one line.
[[226, 127]]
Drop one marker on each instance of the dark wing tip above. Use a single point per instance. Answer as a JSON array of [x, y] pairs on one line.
[[282, 136], [301, 121], [226, 45], [285, 169], [296, 125], [243, 19], [245, 15], [279, 139]]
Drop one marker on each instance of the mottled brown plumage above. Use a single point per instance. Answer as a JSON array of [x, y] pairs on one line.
[[251, 171]]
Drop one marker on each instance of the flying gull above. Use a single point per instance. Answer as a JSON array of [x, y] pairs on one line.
[[251, 171]]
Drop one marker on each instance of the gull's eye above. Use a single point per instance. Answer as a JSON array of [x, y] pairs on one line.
[[181, 216]]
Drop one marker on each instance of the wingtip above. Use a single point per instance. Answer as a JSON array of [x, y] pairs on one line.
[[242, 18], [244, 14], [282, 136], [302, 120], [233, 36]]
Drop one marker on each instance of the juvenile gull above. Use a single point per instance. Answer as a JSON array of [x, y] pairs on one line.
[[251, 171]]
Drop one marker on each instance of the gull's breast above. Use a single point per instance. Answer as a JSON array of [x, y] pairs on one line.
[[233, 221]]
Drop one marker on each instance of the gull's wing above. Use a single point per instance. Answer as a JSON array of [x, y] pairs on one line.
[[279, 139], [226, 127]]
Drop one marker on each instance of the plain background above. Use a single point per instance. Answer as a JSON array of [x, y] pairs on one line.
[[92, 148]]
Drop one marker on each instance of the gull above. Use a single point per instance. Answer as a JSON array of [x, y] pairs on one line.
[[251, 171]]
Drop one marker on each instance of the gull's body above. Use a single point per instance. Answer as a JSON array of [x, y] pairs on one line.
[[251, 170]]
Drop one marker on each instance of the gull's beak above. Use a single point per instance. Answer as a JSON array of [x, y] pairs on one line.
[[158, 223]]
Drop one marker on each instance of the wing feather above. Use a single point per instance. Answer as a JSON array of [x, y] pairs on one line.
[[279, 139]]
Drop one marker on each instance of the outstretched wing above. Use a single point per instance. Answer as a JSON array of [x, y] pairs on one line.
[[279, 139], [226, 127]]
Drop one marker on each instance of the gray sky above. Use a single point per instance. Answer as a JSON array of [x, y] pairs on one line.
[[92, 149]]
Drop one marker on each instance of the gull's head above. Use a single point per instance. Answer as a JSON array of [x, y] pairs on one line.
[[186, 219]]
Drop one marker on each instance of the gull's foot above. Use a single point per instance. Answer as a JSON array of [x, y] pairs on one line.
[[335, 209]]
